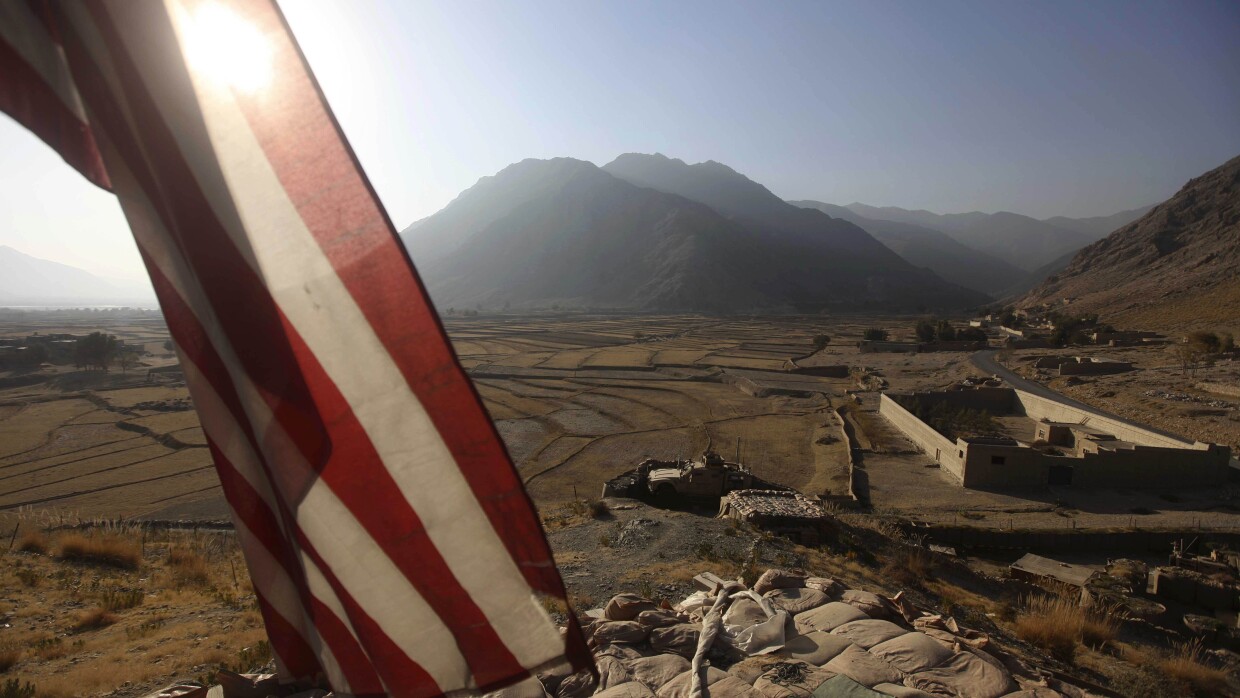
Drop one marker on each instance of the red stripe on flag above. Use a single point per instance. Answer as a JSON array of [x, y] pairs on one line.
[[34, 104], [402, 675], [355, 234], [267, 358]]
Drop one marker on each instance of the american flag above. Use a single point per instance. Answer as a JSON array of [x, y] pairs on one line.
[[392, 547]]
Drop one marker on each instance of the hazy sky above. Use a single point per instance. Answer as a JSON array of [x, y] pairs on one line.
[[1072, 108]]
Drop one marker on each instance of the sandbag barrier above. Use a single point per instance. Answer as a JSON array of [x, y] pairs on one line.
[[792, 635]]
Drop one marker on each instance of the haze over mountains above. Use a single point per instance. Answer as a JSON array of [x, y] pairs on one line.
[[650, 232], [1177, 266], [1001, 254], [27, 280]]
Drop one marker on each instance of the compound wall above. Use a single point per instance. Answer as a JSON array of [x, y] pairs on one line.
[[1156, 460]]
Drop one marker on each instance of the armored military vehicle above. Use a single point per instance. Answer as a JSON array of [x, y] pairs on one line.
[[708, 477]]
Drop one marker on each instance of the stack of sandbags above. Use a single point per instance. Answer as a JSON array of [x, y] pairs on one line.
[[818, 639]]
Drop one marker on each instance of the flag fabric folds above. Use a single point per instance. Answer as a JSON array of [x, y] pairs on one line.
[[392, 547]]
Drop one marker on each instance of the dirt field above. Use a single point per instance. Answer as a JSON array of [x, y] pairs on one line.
[[579, 399]]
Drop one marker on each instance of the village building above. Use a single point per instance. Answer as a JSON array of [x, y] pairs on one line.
[[1052, 443]]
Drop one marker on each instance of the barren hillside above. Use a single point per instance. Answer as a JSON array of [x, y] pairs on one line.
[[1176, 267]]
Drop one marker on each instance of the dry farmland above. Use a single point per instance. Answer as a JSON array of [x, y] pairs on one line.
[[581, 399], [576, 398]]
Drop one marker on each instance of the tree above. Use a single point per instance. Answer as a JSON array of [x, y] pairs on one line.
[[1188, 354], [821, 341], [31, 356], [95, 350], [875, 335], [970, 334], [1205, 342], [925, 330], [1226, 342], [945, 332], [127, 357]]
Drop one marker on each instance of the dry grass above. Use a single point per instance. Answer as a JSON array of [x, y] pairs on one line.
[[94, 619], [912, 569], [1187, 663], [33, 542], [1059, 626], [188, 567], [107, 550], [8, 657], [113, 599]]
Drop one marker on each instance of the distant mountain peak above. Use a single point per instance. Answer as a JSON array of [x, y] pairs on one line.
[[649, 231]]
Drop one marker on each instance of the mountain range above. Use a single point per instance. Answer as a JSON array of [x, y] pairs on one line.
[[651, 232], [1001, 254], [27, 280], [1176, 266]]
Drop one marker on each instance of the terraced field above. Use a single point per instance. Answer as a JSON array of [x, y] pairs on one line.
[[578, 399]]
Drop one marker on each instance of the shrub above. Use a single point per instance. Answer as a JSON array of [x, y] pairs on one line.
[[111, 551], [16, 689], [28, 577], [1058, 626], [8, 657], [1187, 664], [188, 567], [597, 508], [911, 569], [113, 599], [33, 542], [94, 619], [875, 335]]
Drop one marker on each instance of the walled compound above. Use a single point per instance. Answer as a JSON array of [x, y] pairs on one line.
[[1060, 445]]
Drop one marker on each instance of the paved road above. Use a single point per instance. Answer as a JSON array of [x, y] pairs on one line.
[[985, 360]]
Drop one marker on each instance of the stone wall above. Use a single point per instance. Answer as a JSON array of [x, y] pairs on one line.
[[931, 442], [1156, 461]]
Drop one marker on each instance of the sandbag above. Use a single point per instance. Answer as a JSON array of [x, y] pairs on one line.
[[791, 680], [750, 668], [627, 606], [681, 685], [678, 639], [864, 668], [828, 617], [763, 637], [900, 691], [527, 688], [731, 687], [912, 652], [965, 674], [744, 612], [578, 685], [611, 672], [844, 687], [619, 632], [622, 652], [779, 579], [816, 648], [869, 632], [659, 618], [796, 601], [657, 670], [826, 585], [632, 689], [868, 602]]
